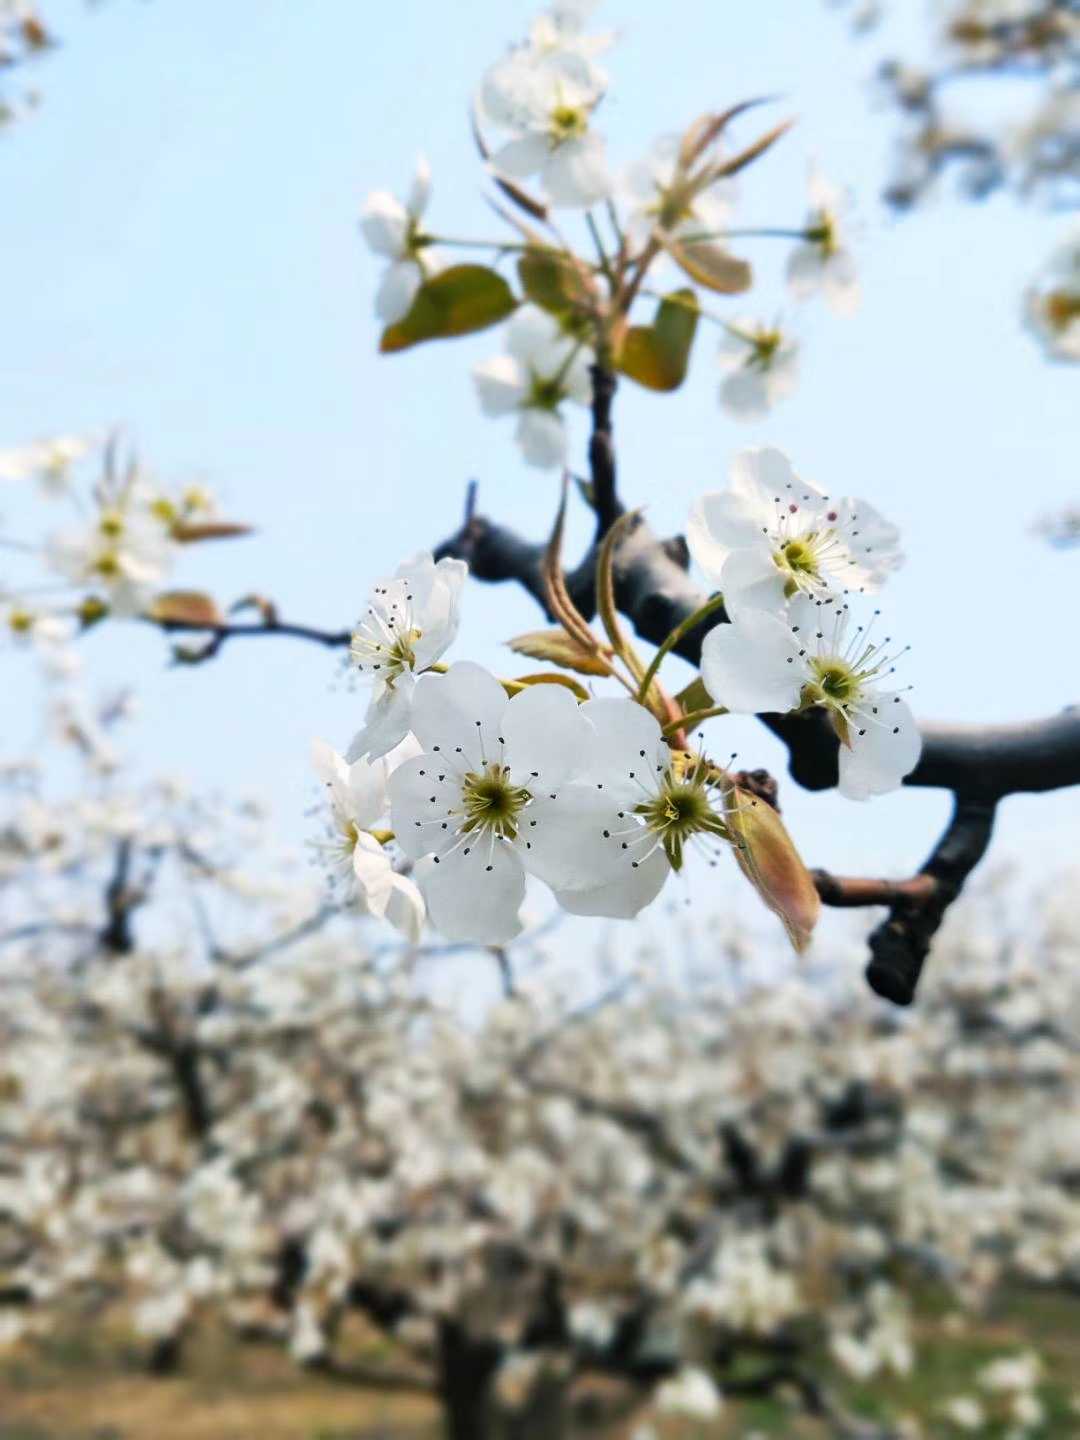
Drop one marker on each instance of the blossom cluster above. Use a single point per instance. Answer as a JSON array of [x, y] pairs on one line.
[[481, 783], [114, 545], [716, 1171], [669, 211]]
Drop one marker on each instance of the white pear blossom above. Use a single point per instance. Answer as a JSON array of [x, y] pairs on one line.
[[655, 192], [358, 805], [483, 802], [47, 461], [761, 362], [642, 805], [392, 229], [544, 99], [411, 620], [1052, 303], [122, 551], [543, 368], [772, 535], [823, 262], [692, 1393], [761, 662], [965, 1412]]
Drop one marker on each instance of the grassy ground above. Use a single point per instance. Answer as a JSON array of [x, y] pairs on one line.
[[86, 1385]]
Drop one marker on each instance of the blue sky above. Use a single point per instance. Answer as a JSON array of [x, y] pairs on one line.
[[181, 258]]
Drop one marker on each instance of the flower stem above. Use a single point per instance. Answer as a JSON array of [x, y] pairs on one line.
[[694, 718], [683, 628]]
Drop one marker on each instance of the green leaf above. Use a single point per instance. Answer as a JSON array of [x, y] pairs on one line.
[[657, 355], [711, 265], [457, 301], [552, 678], [186, 607], [559, 648], [551, 280], [694, 697]]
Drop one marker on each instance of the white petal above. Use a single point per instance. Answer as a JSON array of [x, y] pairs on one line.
[[535, 338], [576, 173], [384, 224], [460, 714], [329, 765], [840, 283], [522, 157], [628, 751], [542, 437], [569, 841], [744, 395], [373, 875], [546, 735], [441, 615], [752, 666], [500, 384], [387, 721], [425, 805], [577, 378], [405, 909], [397, 290], [805, 271], [751, 580], [366, 792], [878, 760], [420, 189], [474, 897], [622, 898]]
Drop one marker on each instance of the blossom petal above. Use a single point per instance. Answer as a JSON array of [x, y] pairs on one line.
[[397, 290], [628, 751], [885, 746], [521, 157], [425, 796], [751, 580], [384, 224], [405, 909], [474, 897], [387, 721], [565, 839], [752, 665], [373, 874], [576, 173], [420, 188], [500, 384], [621, 899], [460, 713], [542, 437], [745, 395], [546, 736]]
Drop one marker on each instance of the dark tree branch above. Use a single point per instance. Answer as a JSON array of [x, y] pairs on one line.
[[980, 764], [220, 633]]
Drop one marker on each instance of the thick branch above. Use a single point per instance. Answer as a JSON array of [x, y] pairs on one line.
[[980, 764], [653, 590]]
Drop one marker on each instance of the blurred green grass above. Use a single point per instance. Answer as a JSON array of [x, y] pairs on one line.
[[87, 1383]]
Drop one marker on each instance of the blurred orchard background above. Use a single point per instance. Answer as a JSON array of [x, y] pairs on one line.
[[267, 1167]]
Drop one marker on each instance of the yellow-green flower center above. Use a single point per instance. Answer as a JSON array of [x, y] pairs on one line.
[[492, 802], [680, 810], [1062, 307], [835, 683], [766, 344], [111, 524], [568, 122], [823, 233]]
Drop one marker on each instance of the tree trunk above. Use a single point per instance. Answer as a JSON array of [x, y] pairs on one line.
[[467, 1366]]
